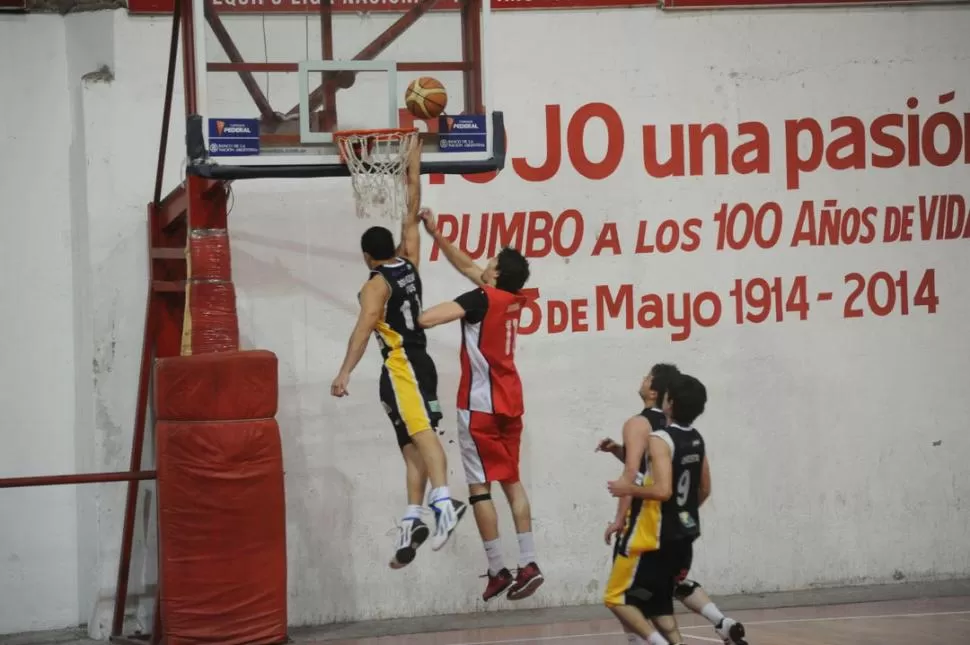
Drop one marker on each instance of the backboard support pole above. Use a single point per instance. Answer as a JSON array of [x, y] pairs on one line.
[[329, 112], [374, 48], [173, 53], [248, 80], [160, 335], [167, 239], [471, 51], [189, 81], [148, 345]]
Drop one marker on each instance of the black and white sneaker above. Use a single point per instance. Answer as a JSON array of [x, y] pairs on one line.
[[731, 632], [448, 512], [411, 534]]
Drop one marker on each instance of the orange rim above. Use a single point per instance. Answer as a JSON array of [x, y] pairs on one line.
[[370, 135], [346, 133]]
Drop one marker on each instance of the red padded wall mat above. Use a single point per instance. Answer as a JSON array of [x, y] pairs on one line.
[[222, 512], [217, 387], [222, 532]]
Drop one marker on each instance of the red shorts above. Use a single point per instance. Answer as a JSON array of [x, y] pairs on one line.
[[489, 446]]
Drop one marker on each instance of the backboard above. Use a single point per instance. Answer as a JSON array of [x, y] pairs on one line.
[[274, 79]]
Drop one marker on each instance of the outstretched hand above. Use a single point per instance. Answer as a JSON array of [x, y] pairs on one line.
[[429, 219]]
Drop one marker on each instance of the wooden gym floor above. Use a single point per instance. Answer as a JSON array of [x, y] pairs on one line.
[[931, 613], [905, 614], [931, 622]]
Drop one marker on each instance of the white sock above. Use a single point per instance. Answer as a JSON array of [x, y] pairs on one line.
[[439, 494], [527, 549], [657, 639], [712, 613], [493, 550], [413, 512]]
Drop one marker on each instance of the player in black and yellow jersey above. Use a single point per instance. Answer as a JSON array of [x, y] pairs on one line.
[[689, 592], [390, 303], [636, 432], [677, 484], [637, 523]]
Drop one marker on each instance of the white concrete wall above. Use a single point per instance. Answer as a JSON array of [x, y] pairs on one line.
[[39, 528], [837, 444], [76, 228]]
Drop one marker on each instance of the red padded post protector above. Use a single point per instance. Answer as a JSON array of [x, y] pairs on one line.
[[222, 522]]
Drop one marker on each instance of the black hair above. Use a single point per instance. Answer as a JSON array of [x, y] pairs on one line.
[[513, 270], [688, 396], [378, 242], [663, 374]]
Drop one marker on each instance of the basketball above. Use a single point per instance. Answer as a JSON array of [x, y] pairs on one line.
[[426, 97]]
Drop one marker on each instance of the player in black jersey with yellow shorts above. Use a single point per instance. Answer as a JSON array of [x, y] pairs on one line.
[[637, 430], [636, 526], [390, 303], [679, 483]]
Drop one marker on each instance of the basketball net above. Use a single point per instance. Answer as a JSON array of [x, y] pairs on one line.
[[377, 160]]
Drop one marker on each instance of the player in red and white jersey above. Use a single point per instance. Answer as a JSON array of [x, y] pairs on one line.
[[490, 403], [489, 382]]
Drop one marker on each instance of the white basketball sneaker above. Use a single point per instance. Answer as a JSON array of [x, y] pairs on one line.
[[448, 512], [411, 534]]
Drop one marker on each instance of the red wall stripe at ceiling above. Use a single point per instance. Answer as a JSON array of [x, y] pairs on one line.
[[726, 4], [13, 5], [351, 6], [383, 6]]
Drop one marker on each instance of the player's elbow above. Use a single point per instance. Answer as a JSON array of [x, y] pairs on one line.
[[362, 332], [664, 493], [367, 323], [425, 321]]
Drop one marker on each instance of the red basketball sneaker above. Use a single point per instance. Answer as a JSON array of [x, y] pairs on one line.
[[527, 581], [497, 584]]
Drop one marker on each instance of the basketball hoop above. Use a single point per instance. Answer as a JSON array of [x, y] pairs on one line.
[[377, 160]]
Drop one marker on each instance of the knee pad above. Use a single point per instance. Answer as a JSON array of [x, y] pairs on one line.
[[685, 588], [474, 499]]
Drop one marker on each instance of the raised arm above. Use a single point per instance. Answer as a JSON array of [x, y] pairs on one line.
[[372, 299], [458, 259], [410, 246]]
